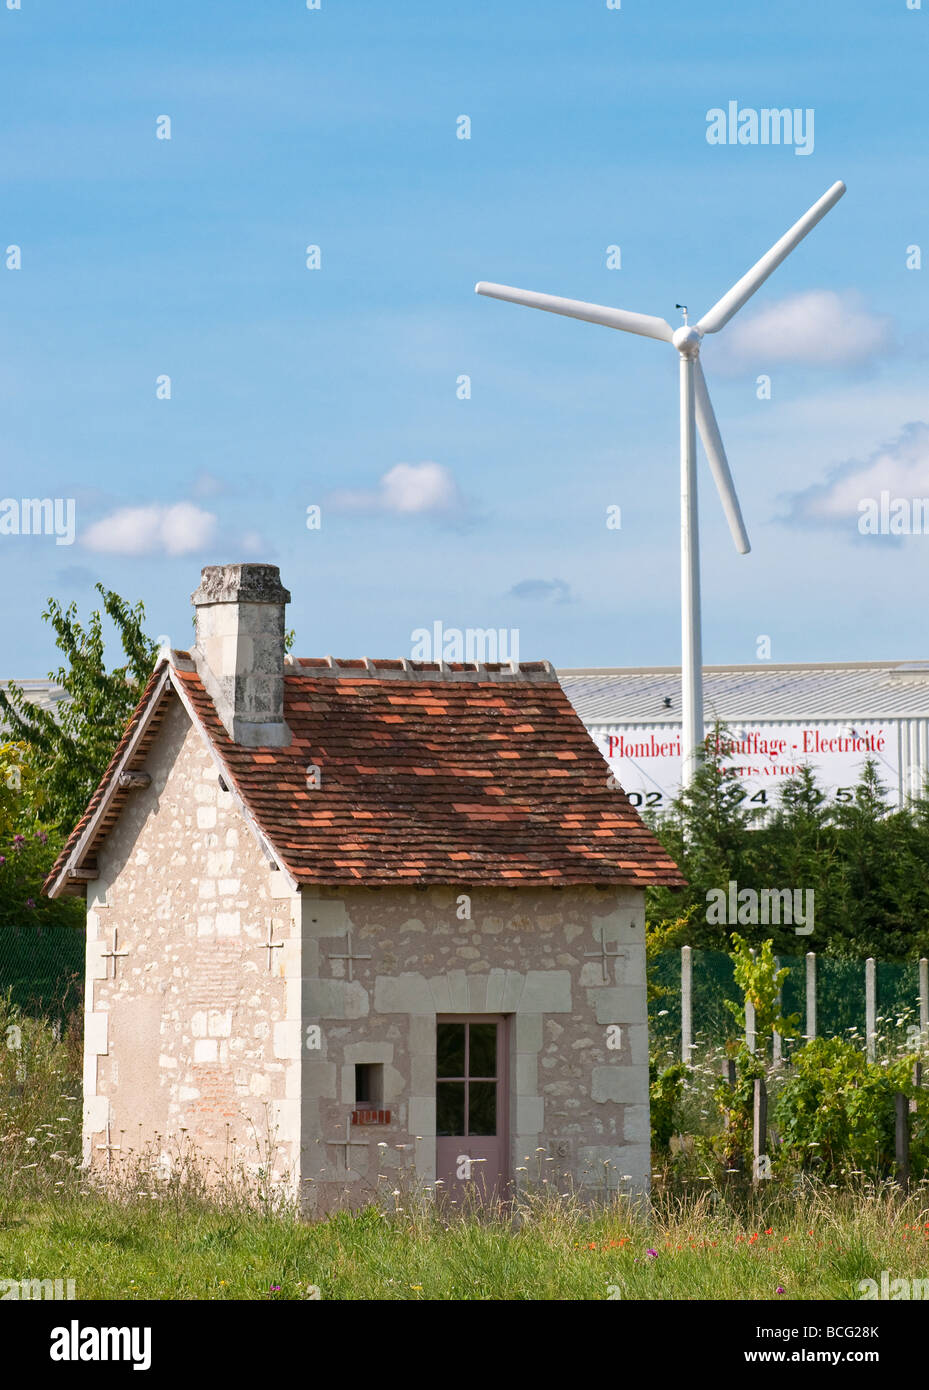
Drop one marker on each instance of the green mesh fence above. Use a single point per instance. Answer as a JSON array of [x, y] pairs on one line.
[[42, 968], [840, 998], [664, 1011], [897, 994], [840, 1004], [713, 982]]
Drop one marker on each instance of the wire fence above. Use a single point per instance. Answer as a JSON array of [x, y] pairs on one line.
[[840, 998], [42, 969]]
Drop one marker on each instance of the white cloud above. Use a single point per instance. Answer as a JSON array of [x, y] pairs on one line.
[[543, 591], [252, 543], [207, 484], [900, 468], [818, 328], [177, 529], [407, 489]]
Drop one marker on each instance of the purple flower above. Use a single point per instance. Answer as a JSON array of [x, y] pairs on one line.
[[778, 1289], [41, 837], [18, 841], [653, 1253], [2, 858], [30, 902]]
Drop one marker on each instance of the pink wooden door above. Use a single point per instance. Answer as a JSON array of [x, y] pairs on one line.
[[471, 1070]]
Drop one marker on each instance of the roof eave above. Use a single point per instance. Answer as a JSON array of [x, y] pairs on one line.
[[64, 879]]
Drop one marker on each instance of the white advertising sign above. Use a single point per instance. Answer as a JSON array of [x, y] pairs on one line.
[[647, 761]]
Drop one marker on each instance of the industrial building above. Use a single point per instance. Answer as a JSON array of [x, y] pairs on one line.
[[777, 717]]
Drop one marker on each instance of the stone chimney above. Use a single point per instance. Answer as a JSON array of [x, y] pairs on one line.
[[239, 652]]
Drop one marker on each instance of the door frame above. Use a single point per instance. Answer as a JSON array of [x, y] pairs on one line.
[[504, 1067]]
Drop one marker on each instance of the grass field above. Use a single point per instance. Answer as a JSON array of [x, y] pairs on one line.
[[166, 1238], [819, 1247]]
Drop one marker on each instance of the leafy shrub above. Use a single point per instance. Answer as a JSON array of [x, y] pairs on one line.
[[24, 862], [836, 1113], [665, 1089], [733, 1145], [760, 981]]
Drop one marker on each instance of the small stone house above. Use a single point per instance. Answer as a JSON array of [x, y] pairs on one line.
[[382, 921]]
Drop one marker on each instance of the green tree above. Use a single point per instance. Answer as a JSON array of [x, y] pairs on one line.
[[708, 832], [797, 848], [872, 866], [665, 936], [70, 749], [867, 863], [911, 855], [18, 789]]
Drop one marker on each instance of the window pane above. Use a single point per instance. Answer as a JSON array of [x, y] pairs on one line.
[[369, 1085], [450, 1049], [483, 1050], [449, 1108], [482, 1107]]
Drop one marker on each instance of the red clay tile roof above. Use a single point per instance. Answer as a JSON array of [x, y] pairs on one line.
[[434, 780], [476, 776]]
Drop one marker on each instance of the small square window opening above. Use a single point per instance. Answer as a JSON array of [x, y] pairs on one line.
[[369, 1084]]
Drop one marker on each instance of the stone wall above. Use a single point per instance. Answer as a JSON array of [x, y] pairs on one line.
[[189, 1042], [529, 953]]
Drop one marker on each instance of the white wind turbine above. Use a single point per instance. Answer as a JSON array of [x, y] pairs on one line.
[[696, 413]]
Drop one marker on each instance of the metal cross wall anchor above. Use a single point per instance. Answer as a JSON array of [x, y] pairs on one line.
[[271, 945], [604, 954], [114, 954], [349, 955], [347, 1143], [110, 1147]]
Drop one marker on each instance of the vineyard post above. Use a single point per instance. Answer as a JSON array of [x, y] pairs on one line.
[[810, 995], [686, 1004], [870, 1007]]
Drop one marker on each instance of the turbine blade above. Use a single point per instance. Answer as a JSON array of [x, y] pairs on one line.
[[721, 312], [719, 464], [644, 324]]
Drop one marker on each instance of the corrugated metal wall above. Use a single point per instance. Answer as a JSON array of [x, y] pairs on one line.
[[914, 754]]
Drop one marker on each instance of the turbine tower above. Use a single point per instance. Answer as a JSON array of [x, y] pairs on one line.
[[696, 414]]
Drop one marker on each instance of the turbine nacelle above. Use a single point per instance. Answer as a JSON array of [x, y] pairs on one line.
[[687, 339]]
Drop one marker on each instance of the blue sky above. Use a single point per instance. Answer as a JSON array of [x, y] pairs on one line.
[[290, 387]]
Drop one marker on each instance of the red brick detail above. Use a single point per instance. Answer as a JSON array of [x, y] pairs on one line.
[[370, 1117]]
